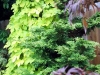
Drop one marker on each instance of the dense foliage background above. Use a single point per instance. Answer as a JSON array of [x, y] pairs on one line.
[[5, 13], [41, 39], [3, 52]]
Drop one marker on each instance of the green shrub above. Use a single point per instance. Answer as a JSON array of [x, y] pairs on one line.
[[3, 52]]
